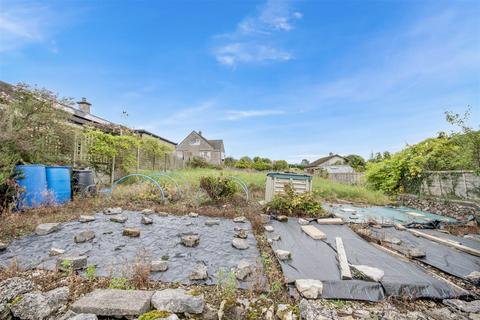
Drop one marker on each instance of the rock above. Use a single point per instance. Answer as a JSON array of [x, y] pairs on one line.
[[241, 219], [189, 223], [444, 314], [114, 302], [163, 214], [212, 222], [361, 314], [392, 240], [313, 310], [56, 251], [199, 272], [159, 266], [193, 214], [72, 262], [330, 221], [283, 254], [146, 220], [84, 219], [3, 246], [209, 313], [84, 236], [371, 273], [262, 202], [147, 211], [416, 315], [116, 210], [474, 316], [303, 222], [46, 228], [269, 313], [416, 253], [5, 312], [314, 232], [12, 287], [84, 316], [469, 307], [474, 277], [178, 301], [281, 218], [285, 312], [241, 233], [269, 228], [240, 244], [265, 218], [119, 219], [38, 305], [190, 240], [131, 232], [244, 269], [308, 288], [275, 237]]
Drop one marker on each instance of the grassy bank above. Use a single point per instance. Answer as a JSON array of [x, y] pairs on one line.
[[326, 189]]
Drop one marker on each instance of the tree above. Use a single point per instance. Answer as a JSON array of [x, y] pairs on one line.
[[280, 165], [356, 162], [305, 162], [244, 163], [230, 162]]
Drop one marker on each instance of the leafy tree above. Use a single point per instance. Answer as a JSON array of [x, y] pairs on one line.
[[230, 162], [262, 164], [154, 149], [305, 162], [356, 162], [280, 165], [244, 163]]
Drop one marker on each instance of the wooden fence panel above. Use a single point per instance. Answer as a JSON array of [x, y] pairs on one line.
[[452, 184], [351, 178]]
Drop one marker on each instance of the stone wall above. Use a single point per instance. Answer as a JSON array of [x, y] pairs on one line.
[[452, 184], [452, 208]]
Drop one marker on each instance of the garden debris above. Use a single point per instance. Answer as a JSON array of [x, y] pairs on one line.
[[265, 218], [178, 301], [240, 219], [72, 262], [283, 254], [39, 305], [159, 266], [281, 218], [303, 222], [190, 240], [84, 236], [309, 288], [240, 244], [114, 302], [119, 219], [241, 233], [56, 251], [416, 253], [193, 214], [146, 220], [370, 273], [330, 221], [116, 210], [313, 232], [269, 228], [244, 269], [86, 218], [46, 228], [131, 232], [3, 246], [199, 272], [285, 312], [212, 222]]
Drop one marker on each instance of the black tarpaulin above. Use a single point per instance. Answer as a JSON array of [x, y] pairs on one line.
[[316, 259]]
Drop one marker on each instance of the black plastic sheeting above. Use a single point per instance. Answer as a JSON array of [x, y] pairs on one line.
[[442, 257], [115, 255], [316, 259]]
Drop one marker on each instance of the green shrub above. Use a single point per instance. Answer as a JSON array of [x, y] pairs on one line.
[[218, 188], [198, 162], [119, 283], [154, 314], [291, 203], [90, 273]]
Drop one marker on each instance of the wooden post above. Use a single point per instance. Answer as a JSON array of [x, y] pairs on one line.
[[112, 174], [447, 242]]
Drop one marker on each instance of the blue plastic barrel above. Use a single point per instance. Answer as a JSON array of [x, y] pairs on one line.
[[32, 179], [59, 184]]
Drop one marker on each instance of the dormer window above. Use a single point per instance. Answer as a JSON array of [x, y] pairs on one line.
[[194, 142]]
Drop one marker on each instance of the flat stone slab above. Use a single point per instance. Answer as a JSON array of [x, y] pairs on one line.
[[178, 301], [114, 302], [330, 221], [46, 228], [314, 233]]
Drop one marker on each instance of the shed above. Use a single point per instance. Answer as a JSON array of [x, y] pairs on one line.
[[276, 182]]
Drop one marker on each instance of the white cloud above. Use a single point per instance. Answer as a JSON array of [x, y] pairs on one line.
[[25, 23], [237, 115], [254, 40]]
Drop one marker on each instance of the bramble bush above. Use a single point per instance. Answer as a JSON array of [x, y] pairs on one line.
[[218, 188], [291, 203]]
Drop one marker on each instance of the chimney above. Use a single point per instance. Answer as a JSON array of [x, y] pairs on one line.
[[330, 154], [199, 132], [84, 105]]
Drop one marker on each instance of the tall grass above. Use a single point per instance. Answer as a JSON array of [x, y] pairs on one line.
[[326, 189]]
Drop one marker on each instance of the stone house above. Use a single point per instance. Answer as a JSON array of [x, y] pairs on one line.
[[333, 163], [197, 146]]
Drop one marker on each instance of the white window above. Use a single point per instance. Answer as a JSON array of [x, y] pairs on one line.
[[205, 154], [194, 142]]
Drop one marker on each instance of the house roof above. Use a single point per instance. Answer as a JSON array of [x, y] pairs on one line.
[[322, 160], [143, 131], [216, 144]]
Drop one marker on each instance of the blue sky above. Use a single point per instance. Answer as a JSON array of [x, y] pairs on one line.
[[281, 79]]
